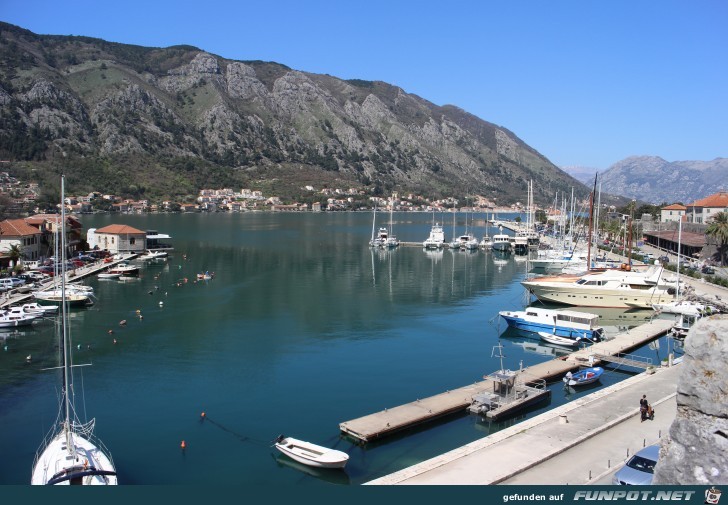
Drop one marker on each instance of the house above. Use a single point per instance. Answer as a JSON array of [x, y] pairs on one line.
[[16, 232], [50, 225], [674, 212], [703, 210], [117, 238]]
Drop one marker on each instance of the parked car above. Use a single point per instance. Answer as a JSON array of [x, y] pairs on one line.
[[708, 270], [639, 469], [9, 283], [665, 259]]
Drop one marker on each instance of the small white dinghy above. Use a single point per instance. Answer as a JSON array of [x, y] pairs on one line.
[[311, 454], [555, 339]]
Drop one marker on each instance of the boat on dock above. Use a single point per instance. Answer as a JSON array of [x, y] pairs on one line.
[[561, 323], [510, 391], [311, 454], [584, 376]]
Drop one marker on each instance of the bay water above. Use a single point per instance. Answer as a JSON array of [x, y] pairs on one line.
[[302, 327]]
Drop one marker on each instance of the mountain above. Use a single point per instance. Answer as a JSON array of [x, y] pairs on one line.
[[165, 122], [654, 180], [581, 173]]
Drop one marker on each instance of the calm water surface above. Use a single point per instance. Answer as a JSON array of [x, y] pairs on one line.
[[303, 327]]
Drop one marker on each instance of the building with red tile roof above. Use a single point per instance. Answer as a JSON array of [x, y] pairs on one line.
[[16, 232], [703, 210], [118, 238], [674, 212]]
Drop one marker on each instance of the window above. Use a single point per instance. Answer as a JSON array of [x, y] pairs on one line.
[[132, 241]]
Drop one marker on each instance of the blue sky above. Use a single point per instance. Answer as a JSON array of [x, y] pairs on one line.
[[583, 82]]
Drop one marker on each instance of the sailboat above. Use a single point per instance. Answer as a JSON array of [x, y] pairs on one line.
[[70, 454], [391, 241]]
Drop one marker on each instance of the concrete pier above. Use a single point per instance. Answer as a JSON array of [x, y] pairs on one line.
[[388, 421]]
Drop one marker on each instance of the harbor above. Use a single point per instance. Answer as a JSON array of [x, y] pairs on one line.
[[387, 326]]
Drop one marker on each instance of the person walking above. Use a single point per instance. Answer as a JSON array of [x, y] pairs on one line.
[[643, 408]]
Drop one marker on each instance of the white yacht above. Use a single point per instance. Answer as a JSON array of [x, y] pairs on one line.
[[612, 288], [502, 242], [436, 240]]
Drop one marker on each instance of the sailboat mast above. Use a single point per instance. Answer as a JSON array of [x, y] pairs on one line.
[[591, 216], [679, 245], [64, 330]]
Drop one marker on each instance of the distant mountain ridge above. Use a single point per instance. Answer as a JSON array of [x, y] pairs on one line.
[[655, 180], [168, 121]]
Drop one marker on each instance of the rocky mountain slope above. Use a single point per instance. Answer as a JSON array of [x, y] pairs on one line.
[[654, 180], [165, 122]]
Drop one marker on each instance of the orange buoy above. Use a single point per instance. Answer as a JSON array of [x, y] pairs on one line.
[[183, 445], [202, 415]]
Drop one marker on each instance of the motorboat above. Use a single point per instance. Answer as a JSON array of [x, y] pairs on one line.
[[611, 288], [109, 275], [436, 240], [486, 243], [19, 311], [555, 339], [124, 268], [502, 242], [8, 320], [153, 255], [467, 242], [70, 454], [561, 323], [584, 376], [685, 307], [42, 309], [311, 454]]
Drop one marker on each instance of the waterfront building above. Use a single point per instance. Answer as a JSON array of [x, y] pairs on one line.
[[117, 238]]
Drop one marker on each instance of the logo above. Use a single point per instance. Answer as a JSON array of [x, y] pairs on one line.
[[712, 496]]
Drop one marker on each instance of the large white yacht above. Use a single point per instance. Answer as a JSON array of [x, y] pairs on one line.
[[436, 240], [612, 288]]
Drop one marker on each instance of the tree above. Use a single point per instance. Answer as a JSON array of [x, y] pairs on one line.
[[15, 253], [718, 229]]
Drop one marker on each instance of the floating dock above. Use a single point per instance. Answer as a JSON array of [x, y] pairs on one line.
[[388, 421]]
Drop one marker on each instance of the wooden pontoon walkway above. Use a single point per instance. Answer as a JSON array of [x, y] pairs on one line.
[[380, 424]]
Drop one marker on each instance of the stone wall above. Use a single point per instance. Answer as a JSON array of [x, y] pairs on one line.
[[696, 452]]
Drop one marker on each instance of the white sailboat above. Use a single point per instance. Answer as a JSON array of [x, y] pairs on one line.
[[70, 454]]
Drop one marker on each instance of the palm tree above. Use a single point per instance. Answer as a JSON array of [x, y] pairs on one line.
[[15, 253], [718, 229]]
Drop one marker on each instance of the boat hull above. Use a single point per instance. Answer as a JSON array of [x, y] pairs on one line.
[[560, 331], [609, 298], [312, 454], [53, 465], [555, 339], [584, 377]]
